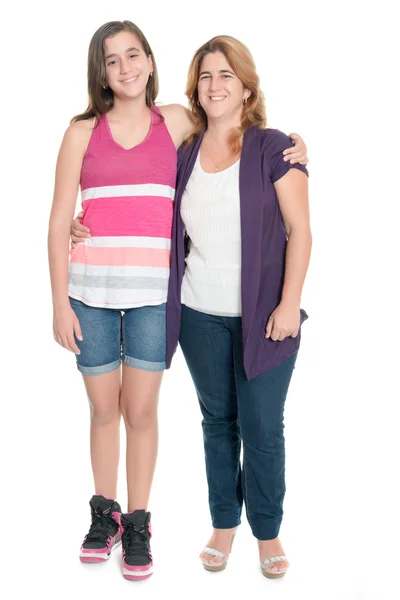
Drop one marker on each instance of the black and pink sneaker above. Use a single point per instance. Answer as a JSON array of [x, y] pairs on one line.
[[137, 562], [105, 531]]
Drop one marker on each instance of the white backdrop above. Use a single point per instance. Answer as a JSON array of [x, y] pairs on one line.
[[329, 72]]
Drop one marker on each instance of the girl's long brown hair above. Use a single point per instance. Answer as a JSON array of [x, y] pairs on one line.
[[101, 100], [242, 63]]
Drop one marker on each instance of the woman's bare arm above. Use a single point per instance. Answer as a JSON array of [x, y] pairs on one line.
[[292, 193]]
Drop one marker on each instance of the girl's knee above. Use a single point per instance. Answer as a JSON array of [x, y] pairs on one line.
[[104, 415], [139, 417]]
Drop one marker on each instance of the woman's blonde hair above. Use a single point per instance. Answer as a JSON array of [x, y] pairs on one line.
[[242, 63]]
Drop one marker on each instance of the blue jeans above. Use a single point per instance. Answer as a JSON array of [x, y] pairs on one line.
[[237, 412]]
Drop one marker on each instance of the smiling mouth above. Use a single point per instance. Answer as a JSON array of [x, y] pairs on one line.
[[130, 80], [217, 98]]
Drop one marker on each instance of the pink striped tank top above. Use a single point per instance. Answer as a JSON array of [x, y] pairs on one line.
[[127, 201]]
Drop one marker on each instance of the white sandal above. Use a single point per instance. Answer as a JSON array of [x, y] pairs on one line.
[[218, 554], [273, 574]]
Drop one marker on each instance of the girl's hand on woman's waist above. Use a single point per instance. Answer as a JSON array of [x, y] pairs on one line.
[[78, 231]]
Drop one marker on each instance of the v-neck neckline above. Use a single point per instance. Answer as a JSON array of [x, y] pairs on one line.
[[137, 145]]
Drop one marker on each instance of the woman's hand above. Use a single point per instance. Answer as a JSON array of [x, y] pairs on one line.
[[298, 153], [78, 231], [65, 325], [284, 322]]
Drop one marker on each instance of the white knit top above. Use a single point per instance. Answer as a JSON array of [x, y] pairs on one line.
[[210, 212]]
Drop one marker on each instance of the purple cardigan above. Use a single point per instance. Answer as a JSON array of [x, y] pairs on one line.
[[263, 247]]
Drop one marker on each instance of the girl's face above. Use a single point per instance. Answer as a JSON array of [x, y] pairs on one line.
[[221, 93], [127, 66]]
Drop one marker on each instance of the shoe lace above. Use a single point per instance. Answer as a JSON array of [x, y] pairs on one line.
[[100, 527], [134, 540]]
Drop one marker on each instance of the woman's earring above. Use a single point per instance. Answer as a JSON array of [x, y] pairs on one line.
[[105, 87], [245, 101], [198, 103]]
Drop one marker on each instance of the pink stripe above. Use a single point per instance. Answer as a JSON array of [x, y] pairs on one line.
[[137, 568], [119, 257], [104, 171], [117, 517], [95, 550], [146, 216], [106, 163]]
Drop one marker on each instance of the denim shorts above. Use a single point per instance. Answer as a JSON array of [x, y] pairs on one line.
[[136, 336]]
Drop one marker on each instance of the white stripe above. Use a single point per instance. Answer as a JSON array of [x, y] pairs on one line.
[[128, 241], [105, 555], [94, 555], [116, 271], [137, 573], [119, 299], [116, 191]]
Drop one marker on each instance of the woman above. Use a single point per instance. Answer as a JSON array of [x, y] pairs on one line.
[[234, 302], [140, 410]]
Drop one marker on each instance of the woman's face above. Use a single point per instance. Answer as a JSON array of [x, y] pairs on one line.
[[127, 66], [220, 91]]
